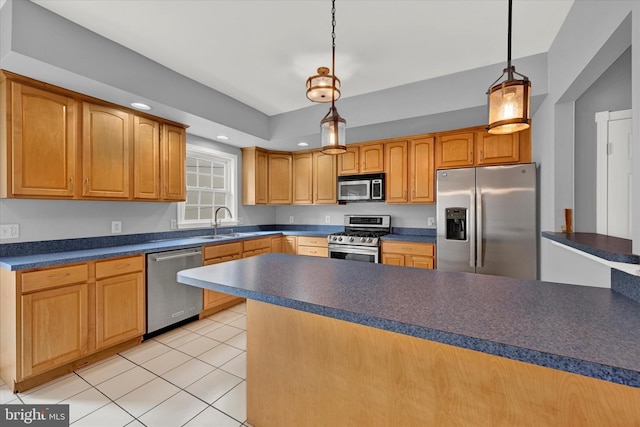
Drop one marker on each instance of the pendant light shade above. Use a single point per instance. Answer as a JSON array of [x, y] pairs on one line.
[[510, 99], [320, 86], [333, 133]]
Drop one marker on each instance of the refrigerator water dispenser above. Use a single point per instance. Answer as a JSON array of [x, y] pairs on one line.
[[456, 223]]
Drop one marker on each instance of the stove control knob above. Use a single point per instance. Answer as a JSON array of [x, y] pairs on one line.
[[351, 239], [339, 239], [363, 239], [369, 240]]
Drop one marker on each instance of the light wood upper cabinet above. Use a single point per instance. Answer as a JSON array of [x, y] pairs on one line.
[[39, 154], [303, 178], [395, 157], [106, 145], [503, 149], [146, 158], [361, 158], [455, 150], [421, 170], [173, 156], [61, 144], [280, 170], [476, 147], [324, 178], [255, 176]]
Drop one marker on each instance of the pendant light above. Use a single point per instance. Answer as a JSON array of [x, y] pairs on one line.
[[332, 126], [319, 87], [509, 101]]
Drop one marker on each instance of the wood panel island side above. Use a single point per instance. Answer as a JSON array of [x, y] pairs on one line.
[[334, 342]]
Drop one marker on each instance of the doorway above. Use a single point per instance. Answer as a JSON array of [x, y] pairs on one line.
[[614, 171]]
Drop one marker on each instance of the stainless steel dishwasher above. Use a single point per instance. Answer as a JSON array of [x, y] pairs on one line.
[[170, 302]]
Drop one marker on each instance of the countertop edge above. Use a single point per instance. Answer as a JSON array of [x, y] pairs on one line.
[[600, 253], [563, 363]]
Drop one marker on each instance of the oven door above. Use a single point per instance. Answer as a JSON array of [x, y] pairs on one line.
[[354, 253]]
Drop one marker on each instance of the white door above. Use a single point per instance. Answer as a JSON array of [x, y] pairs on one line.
[[614, 173]]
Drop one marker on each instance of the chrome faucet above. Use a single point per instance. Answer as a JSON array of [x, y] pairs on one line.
[[215, 219]]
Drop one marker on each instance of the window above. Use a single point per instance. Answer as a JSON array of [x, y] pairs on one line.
[[211, 183]]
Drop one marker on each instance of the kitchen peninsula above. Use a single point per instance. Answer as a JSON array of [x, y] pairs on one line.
[[334, 342]]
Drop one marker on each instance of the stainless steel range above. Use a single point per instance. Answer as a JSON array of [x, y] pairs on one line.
[[360, 240]]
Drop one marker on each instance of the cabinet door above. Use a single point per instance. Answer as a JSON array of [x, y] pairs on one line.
[[290, 245], [454, 150], [325, 180], [54, 328], [43, 138], [497, 149], [106, 144], [393, 259], [421, 170], [146, 158], [277, 245], [395, 158], [280, 174], [254, 176], [348, 163], [303, 178], [419, 261], [372, 158], [120, 309], [174, 149]]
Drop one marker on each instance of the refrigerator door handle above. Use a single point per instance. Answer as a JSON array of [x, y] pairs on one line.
[[479, 225], [471, 226]]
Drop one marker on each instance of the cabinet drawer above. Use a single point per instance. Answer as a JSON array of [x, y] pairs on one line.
[[247, 254], [407, 248], [252, 245], [313, 251], [222, 259], [312, 241], [52, 277], [115, 267], [217, 251]]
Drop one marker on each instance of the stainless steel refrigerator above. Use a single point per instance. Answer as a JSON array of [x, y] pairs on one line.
[[486, 220]]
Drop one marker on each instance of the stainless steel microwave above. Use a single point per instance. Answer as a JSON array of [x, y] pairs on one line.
[[361, 188]]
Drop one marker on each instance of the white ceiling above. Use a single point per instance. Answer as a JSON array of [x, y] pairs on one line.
[[261, 52]]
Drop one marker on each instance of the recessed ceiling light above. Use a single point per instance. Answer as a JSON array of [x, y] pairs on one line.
[[140, 106], [222, 137], [303, 144]]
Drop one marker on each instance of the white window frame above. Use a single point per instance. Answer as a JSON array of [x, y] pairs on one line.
[[231, 172]]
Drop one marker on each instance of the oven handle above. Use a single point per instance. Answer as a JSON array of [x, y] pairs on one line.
[[354, 249]]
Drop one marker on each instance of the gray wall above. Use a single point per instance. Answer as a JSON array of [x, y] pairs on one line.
[[611, 92]]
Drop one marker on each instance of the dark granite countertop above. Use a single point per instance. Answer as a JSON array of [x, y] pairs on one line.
[[606, 247], [90, 249], [578, 329], [416, 238]]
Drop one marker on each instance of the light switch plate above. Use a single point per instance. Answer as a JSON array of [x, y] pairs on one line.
[[116, 227], [291, 219], [327, 219], [431, 222]]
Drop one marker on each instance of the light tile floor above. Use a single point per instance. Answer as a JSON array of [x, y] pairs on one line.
[[194, 375]]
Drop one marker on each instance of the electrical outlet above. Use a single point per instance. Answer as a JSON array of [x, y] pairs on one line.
[[9, 231], [173, 224], [431, 222], [116, 227], [291, 219], [327, 219]]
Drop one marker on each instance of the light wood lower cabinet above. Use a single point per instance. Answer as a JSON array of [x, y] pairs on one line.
[[213, 301], [409, 254], [54, 320], [290, 245], [313, 246], [120, 300]]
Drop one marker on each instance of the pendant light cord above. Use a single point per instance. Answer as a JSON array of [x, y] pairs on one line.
[[509, 68], [333, 52]]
